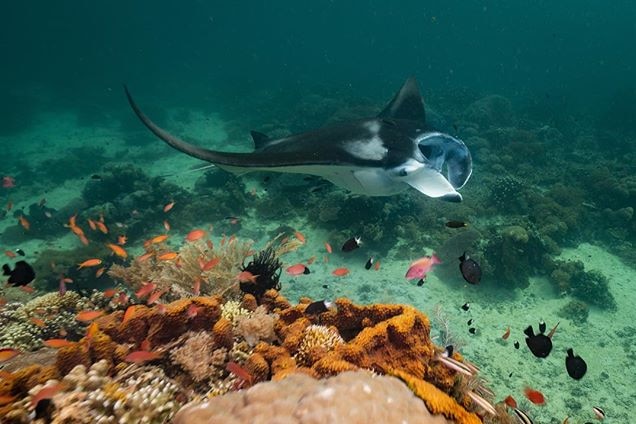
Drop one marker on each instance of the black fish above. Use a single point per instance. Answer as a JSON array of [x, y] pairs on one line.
[[470, 321], [471, 271], [21, 275], [472, 330], [516, 344], [324, 286], [369, 263], [456, 224], [449, 350], [542, 327], [20, 252], [420, 283], [539, 344], [575, 365], [306, 271], [317, 307], [465, 306], [352, 244]]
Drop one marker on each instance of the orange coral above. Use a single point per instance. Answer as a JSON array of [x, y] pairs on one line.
[[249, 302], [436, 400], [258, 367], [222, 333]]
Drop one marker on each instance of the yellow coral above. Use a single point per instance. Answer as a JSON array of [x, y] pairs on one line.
[[436, 400]]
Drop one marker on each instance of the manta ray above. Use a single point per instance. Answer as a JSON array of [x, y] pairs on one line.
[[379, 156]]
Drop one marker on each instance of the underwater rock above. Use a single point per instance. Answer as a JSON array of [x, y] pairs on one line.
[[490, 111], [301, 399], [576, 311], [591, 287]]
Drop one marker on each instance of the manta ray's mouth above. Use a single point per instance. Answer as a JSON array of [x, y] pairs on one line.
[[442, 150]]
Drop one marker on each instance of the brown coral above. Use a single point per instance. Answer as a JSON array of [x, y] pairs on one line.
[[222, 333]]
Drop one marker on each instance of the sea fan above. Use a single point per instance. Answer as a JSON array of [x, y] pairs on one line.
[[266, 268]]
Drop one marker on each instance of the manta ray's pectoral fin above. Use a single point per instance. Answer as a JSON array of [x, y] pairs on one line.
[[430, 182], [406, 105]]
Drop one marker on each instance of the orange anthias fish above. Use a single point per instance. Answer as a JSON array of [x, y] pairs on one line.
[[534, 396], [299, 236], [88, 315], [192, 311], [168, 256], [166, 225], [154, 296], [89, 262], [196, 287], [130, 312], [24, 222], [510, 401], [145, 290], [246, 277], [121, 239], [100, 272], [298, 269], [206, 266], [10, 254], [8, 353], [110, 293], [57, 343], [168, 206], [340, 272], [328, 247], [159, 239], [506, 335], [195, 234], [91, 224], [141, 356], [101, 226], [38, 321], [46, 393], [117, 250]]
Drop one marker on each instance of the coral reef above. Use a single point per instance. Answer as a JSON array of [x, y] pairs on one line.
[[591, 287], [217, 349]]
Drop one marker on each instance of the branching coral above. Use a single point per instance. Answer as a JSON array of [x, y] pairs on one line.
[[317, 340], [179, 276]]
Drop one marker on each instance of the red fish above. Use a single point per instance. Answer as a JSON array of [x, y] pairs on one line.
[[206, 266], [505, 337], [195, 234], [130, 312], [154, 296], [8, 353], [340, 272], [145, 290], [168, 206], [8, 182], [297, 269], [328, 247], [240, 372], [192, 311], [57, 343], [299, 236], [86, 316], [418, 269], [510, 401], [46, 393], [10, 254], [141, 356], [246, 277], [534, 396], [196, 287]]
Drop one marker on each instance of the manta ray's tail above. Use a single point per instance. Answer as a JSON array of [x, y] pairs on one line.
[[442, 149]]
